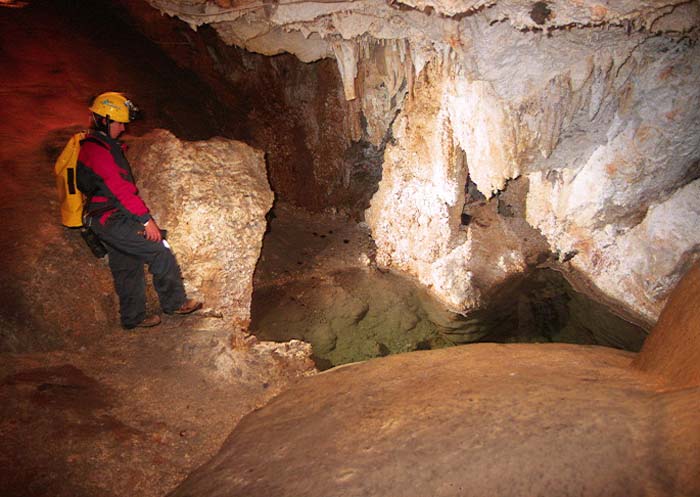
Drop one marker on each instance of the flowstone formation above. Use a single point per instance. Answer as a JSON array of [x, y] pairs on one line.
[[487, 419], [594, 106], [213, 196]]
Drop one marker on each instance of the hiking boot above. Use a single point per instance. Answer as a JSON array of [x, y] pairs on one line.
[[188, 307], [148, 322]]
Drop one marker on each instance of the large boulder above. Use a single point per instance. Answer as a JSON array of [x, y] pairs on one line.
[[482, 419], [673, 347], [212, 197]]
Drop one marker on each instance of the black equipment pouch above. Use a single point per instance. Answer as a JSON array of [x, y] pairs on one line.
[[93, 242]]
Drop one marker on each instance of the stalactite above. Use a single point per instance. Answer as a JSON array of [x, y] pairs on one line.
[[410, 68], [346, 55], [445, 60]]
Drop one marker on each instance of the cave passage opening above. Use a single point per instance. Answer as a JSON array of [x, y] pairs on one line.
[[316, 279]]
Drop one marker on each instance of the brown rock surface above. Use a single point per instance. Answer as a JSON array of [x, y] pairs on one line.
[[481, 419], [673, 348], [294, 112], [135, 413]]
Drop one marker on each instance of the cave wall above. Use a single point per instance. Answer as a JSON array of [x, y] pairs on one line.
[[627, 204], [316, 152], [604, 125], [594, 106]]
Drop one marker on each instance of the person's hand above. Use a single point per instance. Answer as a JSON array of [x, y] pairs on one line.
[[152, 231]]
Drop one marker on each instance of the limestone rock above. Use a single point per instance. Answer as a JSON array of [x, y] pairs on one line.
[[277, 361], [602, 138], [483, 419], [386, 72], [635, 267], [261, 37], [270, 30], [233, 356], [595, 103], [628, 206], [212, 197], [415, 215], [672, 348]]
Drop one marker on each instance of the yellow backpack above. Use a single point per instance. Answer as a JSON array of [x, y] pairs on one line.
[[70, 197]]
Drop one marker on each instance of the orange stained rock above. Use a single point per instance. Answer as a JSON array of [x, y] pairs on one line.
[[598, 12], [673, 347], [666, 73]]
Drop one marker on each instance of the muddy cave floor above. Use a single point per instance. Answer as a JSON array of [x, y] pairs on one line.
[[132, 413]]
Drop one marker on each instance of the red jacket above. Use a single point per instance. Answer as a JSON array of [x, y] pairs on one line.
[[105, 176]]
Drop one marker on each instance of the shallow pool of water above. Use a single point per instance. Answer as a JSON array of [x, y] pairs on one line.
[[357, 314]]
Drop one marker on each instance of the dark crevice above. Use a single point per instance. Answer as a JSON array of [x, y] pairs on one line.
[[541, 306]]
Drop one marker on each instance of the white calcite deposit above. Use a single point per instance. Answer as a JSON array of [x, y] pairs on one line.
[[212, 197], [595, 106], [628, 204], [415, 215]]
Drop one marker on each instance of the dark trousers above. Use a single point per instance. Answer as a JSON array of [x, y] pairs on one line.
[[128, 251]]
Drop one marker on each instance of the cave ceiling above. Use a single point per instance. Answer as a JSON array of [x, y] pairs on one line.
[[310, 29]]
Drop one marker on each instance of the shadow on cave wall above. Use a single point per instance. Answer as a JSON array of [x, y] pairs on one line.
[[543, 307]]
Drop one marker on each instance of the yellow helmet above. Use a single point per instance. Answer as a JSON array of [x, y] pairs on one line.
[[114, 106]]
